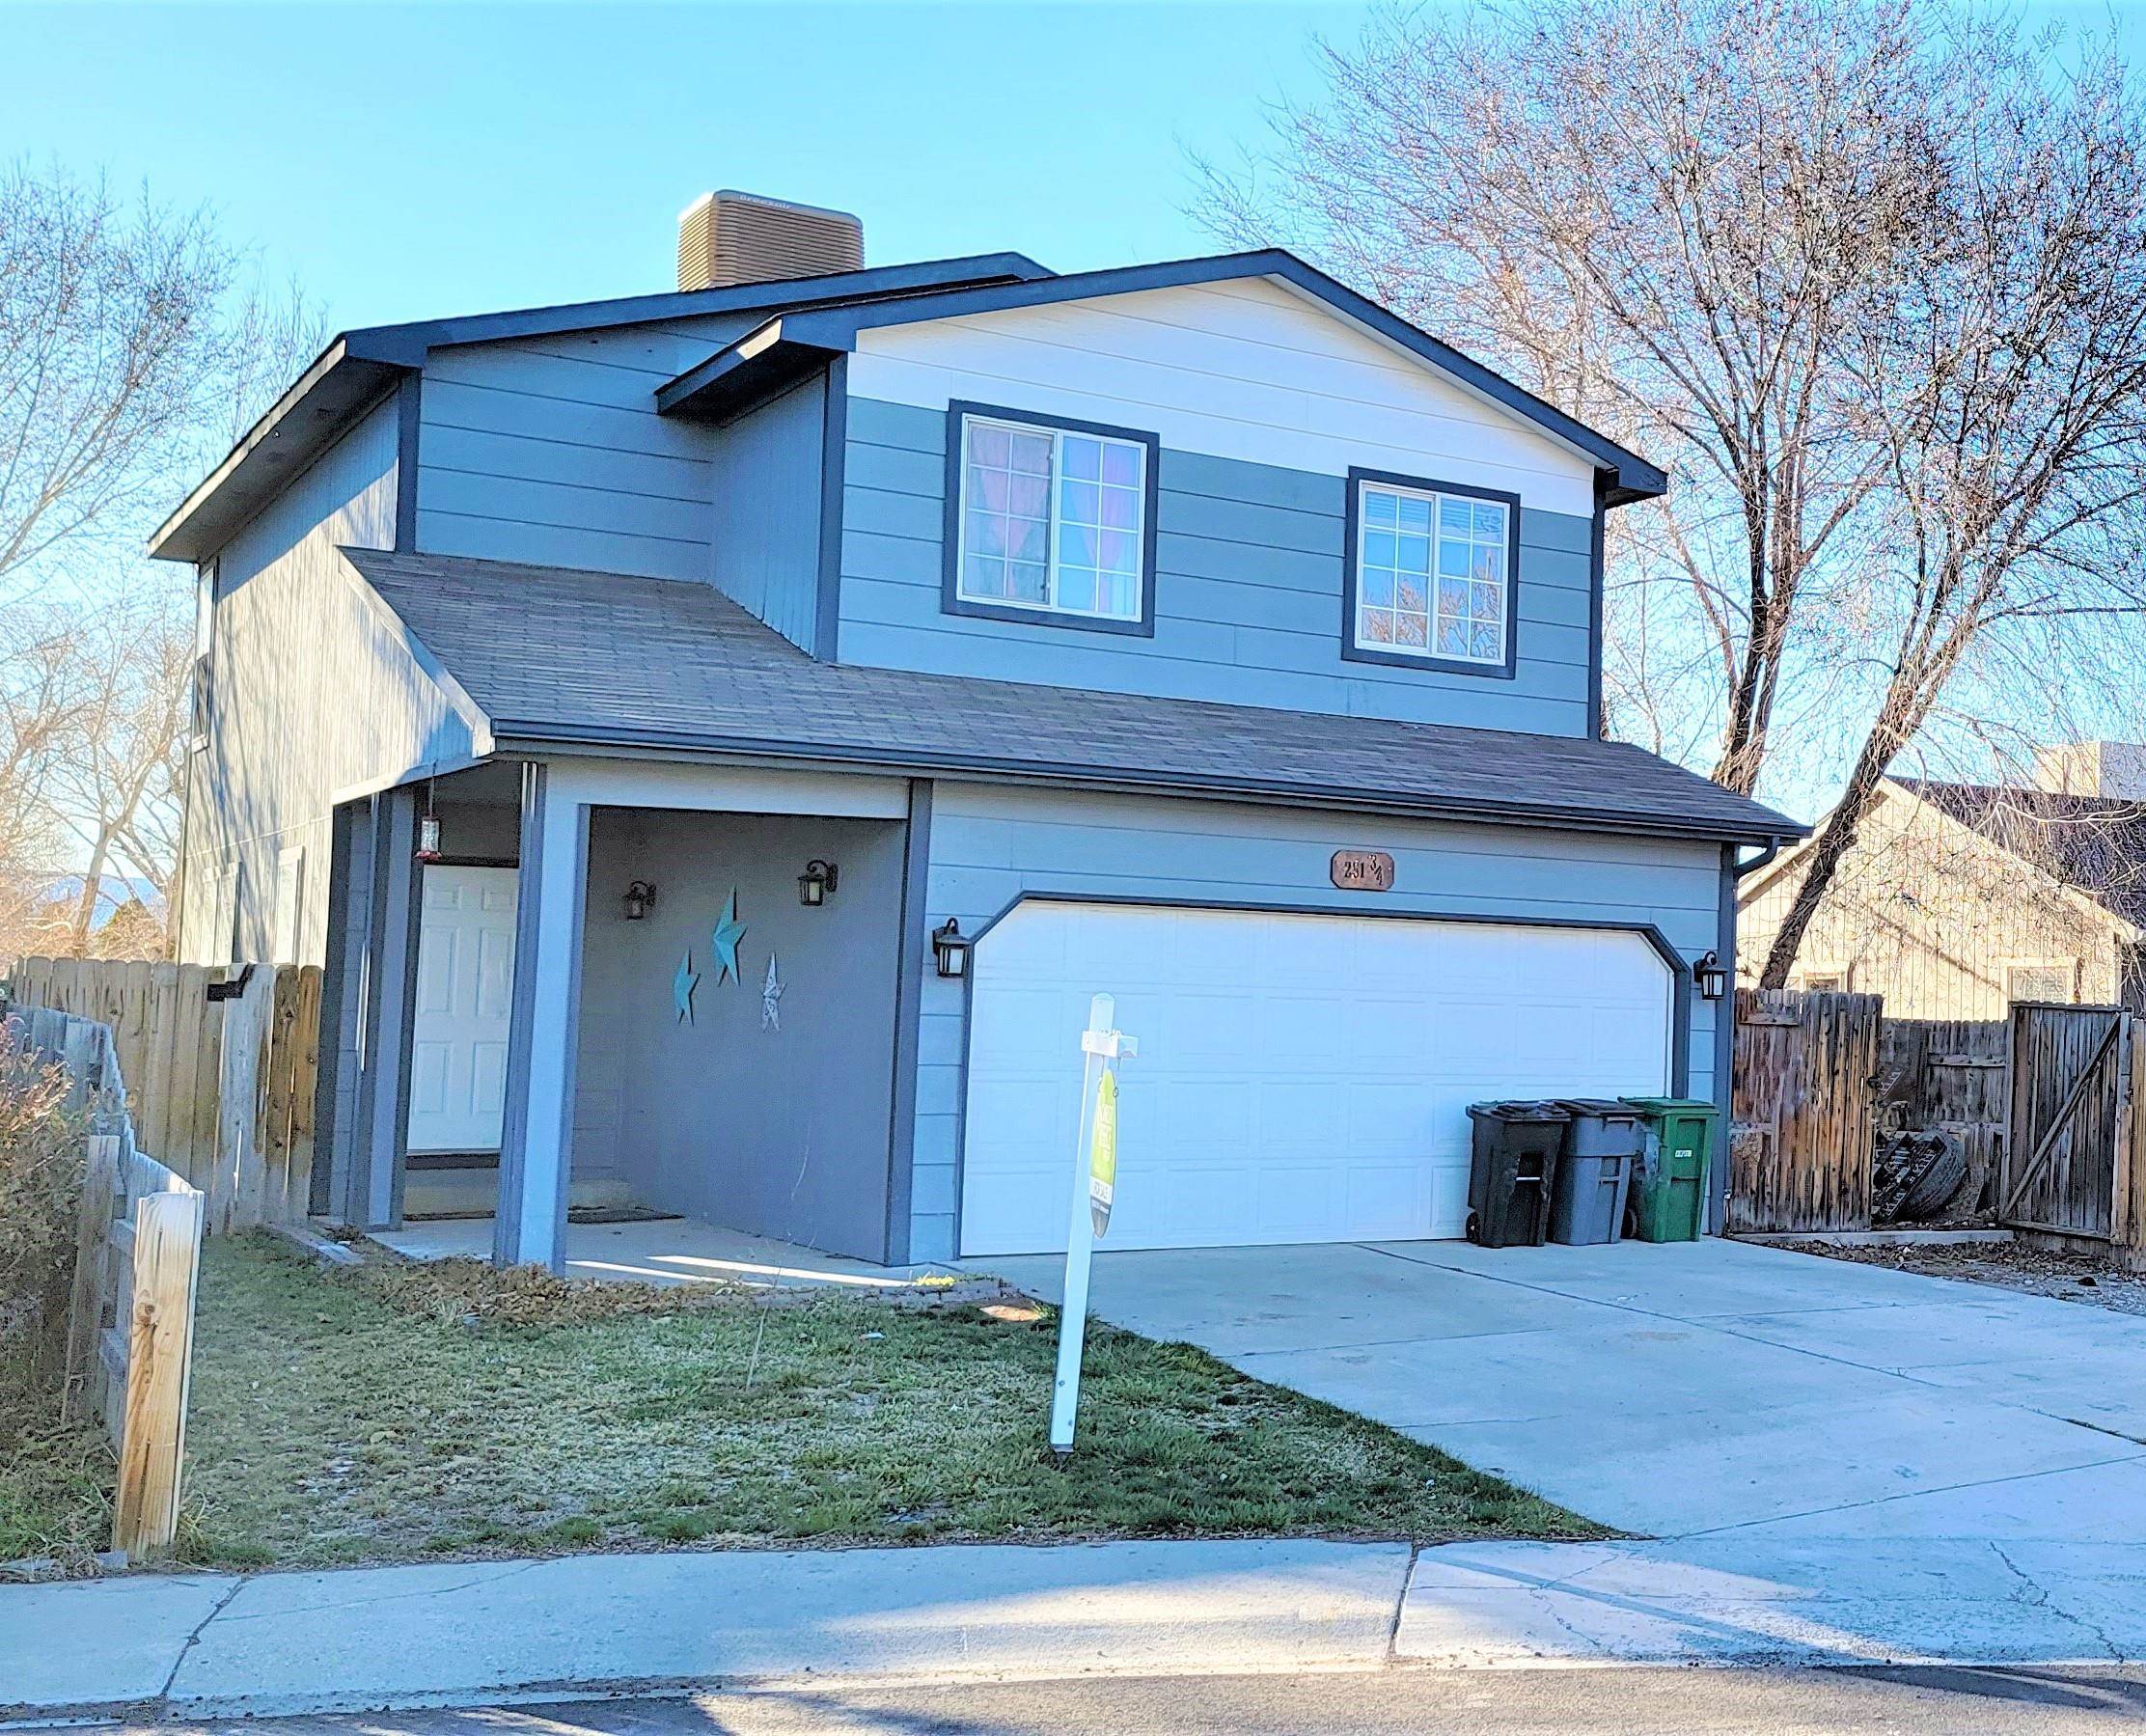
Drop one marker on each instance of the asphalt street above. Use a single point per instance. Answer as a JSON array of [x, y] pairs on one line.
[[2027, 1701]]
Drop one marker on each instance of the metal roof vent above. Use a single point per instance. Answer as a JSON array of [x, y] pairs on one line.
[[731, 238]]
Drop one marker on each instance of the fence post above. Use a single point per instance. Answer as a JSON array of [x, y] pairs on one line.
[[152, 1440], [100, 1182]]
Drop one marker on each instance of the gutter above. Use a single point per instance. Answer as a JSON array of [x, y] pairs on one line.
[[1772, 850], [515, 737]]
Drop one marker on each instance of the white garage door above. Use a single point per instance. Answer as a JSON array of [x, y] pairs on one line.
[[1300, 1078]]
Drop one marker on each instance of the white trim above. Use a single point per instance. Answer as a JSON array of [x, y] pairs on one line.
[[2067, 962]]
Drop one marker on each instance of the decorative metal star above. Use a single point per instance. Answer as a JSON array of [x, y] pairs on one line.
[[727, 933], [681, 989], [771, 1000]]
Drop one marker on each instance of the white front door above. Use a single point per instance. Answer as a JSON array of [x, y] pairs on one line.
[[1300, 1078], [465, 984]]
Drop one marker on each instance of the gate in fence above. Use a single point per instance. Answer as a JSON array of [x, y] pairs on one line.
[[2069, 1167], [1802, 1110]]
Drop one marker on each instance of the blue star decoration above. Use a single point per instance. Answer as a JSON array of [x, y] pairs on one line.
[[727, 933], [681, 989]]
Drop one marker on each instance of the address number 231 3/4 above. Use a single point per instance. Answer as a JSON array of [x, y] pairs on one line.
[[1363, 871]]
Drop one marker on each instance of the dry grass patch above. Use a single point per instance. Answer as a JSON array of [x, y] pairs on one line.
[[384, 1414]]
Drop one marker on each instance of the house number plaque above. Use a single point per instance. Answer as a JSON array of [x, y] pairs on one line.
[[1362, 870]]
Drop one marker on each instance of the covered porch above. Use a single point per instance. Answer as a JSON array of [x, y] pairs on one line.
[[663, 1000]]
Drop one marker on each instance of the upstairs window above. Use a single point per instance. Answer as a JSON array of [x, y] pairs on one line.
[[1431, 575], [1054, 521]]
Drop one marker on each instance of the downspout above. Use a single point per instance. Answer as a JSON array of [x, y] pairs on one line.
[[1772, 850]]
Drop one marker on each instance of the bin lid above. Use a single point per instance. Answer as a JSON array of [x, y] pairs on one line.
[[1657, 1106], [1519, 1111], [1607, 1109]]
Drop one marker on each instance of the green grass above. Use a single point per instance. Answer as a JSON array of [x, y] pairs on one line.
[[340, 1418], [55, 1481]]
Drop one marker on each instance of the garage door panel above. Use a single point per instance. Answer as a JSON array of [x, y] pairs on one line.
[[1301, 1078]]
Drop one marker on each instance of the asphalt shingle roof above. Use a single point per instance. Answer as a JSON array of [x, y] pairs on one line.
[[554, 655], [2095, 845]]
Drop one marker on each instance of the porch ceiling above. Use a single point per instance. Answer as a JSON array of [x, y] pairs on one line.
[[560, 657]]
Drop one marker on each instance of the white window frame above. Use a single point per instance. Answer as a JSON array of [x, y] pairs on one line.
[[1435, 495], [1051, 609], [2068, 964]]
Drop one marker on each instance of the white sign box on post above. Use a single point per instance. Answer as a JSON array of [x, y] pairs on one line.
[[1094, 1187]]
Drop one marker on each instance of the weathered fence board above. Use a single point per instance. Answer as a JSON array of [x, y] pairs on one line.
[[1951, 1074], [130, 1308], [223, 1090], [2072, 1117], [1802, 1110]]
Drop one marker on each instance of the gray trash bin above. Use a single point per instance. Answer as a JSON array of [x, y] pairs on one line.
[[1602, 1143]]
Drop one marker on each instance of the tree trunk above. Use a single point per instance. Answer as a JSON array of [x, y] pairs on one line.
[[1832, 844]]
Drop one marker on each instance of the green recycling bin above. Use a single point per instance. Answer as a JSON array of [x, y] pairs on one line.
[[1668, 1192]]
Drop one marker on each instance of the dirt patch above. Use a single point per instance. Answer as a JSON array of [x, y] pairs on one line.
[[2011, 1265]]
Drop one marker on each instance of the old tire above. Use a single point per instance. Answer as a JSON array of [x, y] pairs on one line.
[[1932, 1190]]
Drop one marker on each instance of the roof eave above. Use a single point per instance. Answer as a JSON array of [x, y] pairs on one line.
[[523, 736]]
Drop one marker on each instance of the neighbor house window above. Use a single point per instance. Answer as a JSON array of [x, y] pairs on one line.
[[1054, 520], [1433, 575], [2054, 979]]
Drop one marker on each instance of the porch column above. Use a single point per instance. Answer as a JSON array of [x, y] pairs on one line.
[[376, 978], [536, 1159]]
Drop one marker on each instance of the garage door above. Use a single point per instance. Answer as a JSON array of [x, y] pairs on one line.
[[1300, 1078]]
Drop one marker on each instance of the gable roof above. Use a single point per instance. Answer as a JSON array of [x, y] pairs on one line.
[[2092, 846], [360, 366], [793, 344], [2096, 845], [558, 659]]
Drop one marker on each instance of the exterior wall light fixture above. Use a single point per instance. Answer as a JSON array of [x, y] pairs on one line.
[[818, 879], [429, 838], [1712, 980], [950, 949], [639, 895]]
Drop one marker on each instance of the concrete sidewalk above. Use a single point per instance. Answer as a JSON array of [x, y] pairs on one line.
[[205, 1645]]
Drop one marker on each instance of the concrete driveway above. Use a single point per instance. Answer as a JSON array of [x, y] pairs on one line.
[[1693, 1390]]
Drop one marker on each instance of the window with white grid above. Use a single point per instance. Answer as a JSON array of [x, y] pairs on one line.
[[1431, 576], [1052, 520]]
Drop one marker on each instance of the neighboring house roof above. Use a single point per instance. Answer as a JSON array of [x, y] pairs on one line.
[[793, 344], [359, 367], [2093, 844], [557, 658], [2093, 847]]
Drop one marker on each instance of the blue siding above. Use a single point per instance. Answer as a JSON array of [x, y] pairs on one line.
[[767, 511], [989, 846], [1248, 595], [549, 450]]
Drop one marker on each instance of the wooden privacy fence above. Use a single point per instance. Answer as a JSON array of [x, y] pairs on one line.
[[221, 1063], [2073, 1167], [130, 1313], [1949, 1074], [1802, 1110]]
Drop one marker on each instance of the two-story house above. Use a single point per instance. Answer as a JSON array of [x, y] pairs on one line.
[[718, 742]]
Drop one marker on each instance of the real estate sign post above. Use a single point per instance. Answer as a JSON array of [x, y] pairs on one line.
[[1094, 1184]]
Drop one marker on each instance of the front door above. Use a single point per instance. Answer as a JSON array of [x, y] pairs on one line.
[[465, 983]]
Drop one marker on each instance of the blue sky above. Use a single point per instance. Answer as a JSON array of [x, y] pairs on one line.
[[408, 162]]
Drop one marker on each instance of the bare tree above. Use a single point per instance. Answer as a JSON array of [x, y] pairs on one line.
[[134, 347], [118, 777], [1868, 276]]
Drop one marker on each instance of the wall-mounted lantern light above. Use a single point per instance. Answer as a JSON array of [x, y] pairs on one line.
[[1712, 978], [818, 879], [429, 838], [949, 951], [639, 895]]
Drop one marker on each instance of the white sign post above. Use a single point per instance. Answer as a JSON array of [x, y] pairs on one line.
[[1094, 1180]]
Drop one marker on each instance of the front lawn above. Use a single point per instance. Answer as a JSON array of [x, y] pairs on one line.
[[380, 1416]]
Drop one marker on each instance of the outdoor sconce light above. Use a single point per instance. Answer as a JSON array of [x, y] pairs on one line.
[[818, 879], [428, 839], [1712, 978], [949, 951], [639, 895]]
